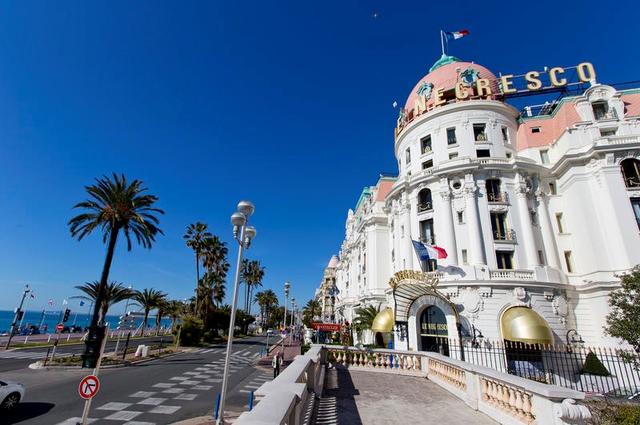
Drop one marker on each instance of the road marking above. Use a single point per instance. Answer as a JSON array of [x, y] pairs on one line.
[[142, 394], [244, 391], [189, 383], [173, 390], [76, 420], [164, 385], [178, 378], [153, 401], [139, 423], [185, 397], [124, 415], [114, 405], [165, 410], [202, 387]]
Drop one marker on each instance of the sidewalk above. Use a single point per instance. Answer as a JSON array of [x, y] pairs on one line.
[[291, 350]]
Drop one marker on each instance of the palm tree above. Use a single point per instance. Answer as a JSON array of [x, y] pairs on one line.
[[148, 300], [114, 293], [195, 235], [252, 275], [364, 318], [219, 291], [311, 310], [260, 299], [116, 205], [270, 302], [162, 308], [175, 309]]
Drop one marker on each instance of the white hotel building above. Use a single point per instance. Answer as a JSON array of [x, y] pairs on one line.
[[538, 210]]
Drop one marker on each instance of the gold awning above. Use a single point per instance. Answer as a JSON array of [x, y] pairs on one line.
[[522, 324], [383, 321]]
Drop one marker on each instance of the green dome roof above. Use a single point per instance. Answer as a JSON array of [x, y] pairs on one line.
[[444, 60]]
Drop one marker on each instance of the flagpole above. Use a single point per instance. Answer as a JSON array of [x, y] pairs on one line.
[[442, 41]]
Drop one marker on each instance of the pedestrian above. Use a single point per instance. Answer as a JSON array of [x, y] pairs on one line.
[[275, 362]]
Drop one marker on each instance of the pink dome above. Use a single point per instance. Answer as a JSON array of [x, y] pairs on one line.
[[446, 76], [333, 263]]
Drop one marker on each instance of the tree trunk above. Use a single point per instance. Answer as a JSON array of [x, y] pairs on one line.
[[144, 324], [113, 237], [197, 280]]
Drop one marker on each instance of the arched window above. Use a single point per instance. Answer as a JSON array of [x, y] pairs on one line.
[[424, 200], [631, 172], [494, 193]]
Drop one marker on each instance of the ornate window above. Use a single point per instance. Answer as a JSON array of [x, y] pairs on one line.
[[631, 172], [425, 144], [494, 194], [424, 200]]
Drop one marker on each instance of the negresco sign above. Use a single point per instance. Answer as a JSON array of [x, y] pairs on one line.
[[470, 86]]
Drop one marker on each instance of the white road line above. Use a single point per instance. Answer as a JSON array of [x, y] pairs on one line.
[[114, 405], [165, 410]]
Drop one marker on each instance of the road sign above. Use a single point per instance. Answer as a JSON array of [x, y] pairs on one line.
[[327, 327], [59, 327], [88, 387]]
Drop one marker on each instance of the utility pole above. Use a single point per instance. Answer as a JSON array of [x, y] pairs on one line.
[[18, 315]]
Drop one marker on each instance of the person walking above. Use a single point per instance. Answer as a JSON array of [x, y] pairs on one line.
[[275, 362]]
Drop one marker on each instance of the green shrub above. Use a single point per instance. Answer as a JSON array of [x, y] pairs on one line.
[[626, 415], [593, 365], [192, 331]]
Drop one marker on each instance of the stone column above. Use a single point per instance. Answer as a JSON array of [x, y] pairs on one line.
[[475, 231], [407, 245], [449, 238], [526, 232], [550, 247]]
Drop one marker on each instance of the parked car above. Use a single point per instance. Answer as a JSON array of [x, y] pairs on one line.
[[10, 393], [269, 331]]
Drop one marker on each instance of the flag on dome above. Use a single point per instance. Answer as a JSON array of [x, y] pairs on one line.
[[429, 252], [456, 34]]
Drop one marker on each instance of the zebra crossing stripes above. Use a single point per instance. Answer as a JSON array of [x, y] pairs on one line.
[[19, 354], [256, 383]]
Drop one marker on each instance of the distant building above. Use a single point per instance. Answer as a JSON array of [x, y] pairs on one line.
[[538, 210], [326, 293]]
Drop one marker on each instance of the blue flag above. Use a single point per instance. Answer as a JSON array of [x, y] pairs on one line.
[[421, 250]]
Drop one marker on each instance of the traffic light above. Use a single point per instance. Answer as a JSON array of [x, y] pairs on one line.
[[93, 344], [65, 317]]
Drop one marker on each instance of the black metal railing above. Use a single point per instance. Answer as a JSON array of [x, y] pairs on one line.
[[425, 206], [594, 370], [497, 197], [506, 235]]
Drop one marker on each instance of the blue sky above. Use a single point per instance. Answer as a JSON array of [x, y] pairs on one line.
[[284, 103]]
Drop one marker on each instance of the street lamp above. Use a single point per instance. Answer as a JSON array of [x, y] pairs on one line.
[[287, 286], [243, 234], [476, 342], [293, 313], [19, 315]]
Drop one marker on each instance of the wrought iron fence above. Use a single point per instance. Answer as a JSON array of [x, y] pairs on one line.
[[593, 370]]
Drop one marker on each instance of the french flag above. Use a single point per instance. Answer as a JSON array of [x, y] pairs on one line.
[[456, 34], [429, 252]]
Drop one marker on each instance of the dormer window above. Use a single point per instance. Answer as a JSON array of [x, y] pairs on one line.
[[535, 130], [425, 144], [479, 133], [631, 172], [407, 156], [505, 135]]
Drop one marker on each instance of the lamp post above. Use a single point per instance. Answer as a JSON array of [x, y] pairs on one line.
[[19, 315], [476, 342], [243, 234], [293, 310], [287, 285]]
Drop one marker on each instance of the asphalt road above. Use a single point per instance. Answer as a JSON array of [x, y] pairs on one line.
[[19, 358], [158, 392]]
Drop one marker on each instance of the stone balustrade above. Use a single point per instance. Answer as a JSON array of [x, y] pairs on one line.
[[511, 275], [505, 398]]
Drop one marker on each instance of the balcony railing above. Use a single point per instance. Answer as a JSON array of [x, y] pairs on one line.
[[426, 150], [425, 206], [429, 240], [511, 275], [507, 235], [481, 137], [497, 197], [610, 114], [632, 182]]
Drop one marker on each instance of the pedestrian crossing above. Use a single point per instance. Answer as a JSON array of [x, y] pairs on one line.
[[33, 355], [156, 404]]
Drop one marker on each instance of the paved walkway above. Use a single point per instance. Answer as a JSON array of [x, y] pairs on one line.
[[369, 398]]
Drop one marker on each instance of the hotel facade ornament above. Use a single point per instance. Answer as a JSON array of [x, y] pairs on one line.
[[560, 307]]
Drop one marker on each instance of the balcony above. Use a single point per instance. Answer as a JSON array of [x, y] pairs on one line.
[[609, 114], [481, 138], [426, 150], [497, 197], [511, 275], [507, 235], [429, 240], [632, 182], [425, 206]]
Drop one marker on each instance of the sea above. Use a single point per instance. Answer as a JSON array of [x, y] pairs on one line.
[[48, 319]]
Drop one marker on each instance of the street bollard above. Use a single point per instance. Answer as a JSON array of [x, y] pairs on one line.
[[217, 408], [26, 338], [68, 337], [49, 339], [46, 356], [250, 401]]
